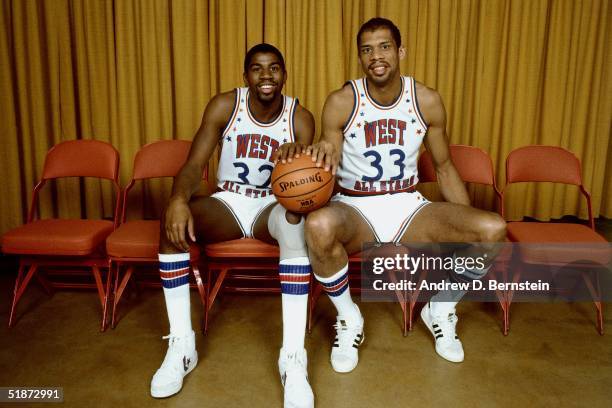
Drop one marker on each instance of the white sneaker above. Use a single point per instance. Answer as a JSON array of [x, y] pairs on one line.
[[294, 377], [181, 358], [345, 355], [448, 345]]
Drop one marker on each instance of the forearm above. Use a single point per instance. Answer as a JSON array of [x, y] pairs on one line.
[[451, 186]]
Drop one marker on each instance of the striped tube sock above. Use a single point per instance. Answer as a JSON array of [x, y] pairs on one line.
[[337, 287], [294, 274], [174, 272]]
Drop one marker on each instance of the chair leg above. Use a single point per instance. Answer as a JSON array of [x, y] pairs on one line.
[[217, 287], [109, 277], [599, 309], [208, 282], [201, 290], [20, 286], [44, 282], [118, 290]]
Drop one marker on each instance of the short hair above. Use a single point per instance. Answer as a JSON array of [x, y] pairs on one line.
[[263, 48], [376, 23]]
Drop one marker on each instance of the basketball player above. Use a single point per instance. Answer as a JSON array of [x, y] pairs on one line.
[[254, 126], [373, 128]]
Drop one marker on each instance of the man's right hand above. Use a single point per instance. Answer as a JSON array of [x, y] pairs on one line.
[[178, 220], [324, 154]]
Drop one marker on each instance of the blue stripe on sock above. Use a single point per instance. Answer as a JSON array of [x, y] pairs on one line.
[[334, 283], [170, 266], [294, 268], [339, 291], [175, 283], [294, 288]]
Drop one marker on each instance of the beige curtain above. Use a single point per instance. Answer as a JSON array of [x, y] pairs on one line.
[[130, 72]]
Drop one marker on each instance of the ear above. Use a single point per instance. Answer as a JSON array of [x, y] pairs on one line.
[[402, 52], [244, 78]]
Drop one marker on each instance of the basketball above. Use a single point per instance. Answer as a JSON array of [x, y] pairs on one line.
[[301, 186]]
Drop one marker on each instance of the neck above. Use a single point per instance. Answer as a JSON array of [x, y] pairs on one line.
[[388, 92], [265, 111]]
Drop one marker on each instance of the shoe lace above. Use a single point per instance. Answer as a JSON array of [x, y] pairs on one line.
[[174, 354], [345, 334], [448, 326]]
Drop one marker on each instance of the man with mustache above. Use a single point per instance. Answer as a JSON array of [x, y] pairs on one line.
[[254, 126], [373, 128]]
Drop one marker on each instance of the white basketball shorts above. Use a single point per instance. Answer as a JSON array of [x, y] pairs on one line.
[[246, 210], [388, 215]]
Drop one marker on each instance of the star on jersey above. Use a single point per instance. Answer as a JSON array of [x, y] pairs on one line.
[[229, 139], [413, 121], [362, 113], [239, 119], [352, 136]]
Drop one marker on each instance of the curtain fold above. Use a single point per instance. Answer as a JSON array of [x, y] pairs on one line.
[[130, 72]]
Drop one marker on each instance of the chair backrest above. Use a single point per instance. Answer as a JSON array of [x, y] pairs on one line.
[[79, 158], [160, 159], [473, 164], [82, 158], [543, 163], [163, 158]]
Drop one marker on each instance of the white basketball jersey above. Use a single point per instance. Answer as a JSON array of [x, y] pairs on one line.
[[381, 143], [247, 146]]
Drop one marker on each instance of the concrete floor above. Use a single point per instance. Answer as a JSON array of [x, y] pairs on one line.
[[552, 357]]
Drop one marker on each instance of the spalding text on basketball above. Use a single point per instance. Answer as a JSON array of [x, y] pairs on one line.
[[284, 185]]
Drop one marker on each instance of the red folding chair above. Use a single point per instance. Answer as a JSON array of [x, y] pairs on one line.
[[136, 242], [557, 165], [65, 242]]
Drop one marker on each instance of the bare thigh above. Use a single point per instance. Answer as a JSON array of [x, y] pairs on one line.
[[455, 223]]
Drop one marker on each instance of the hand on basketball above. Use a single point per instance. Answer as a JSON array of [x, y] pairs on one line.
[[324, 154], [179, 220], [288, 151]]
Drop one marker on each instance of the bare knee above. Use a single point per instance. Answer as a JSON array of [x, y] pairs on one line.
[[492, 228], [320, 232]]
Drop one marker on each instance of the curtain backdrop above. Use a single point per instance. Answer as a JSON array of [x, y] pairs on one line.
[[511, 73]]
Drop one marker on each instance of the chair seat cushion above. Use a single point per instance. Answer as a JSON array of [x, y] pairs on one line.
[[57, 237], [138, 239], [565, 243], [242, 248]]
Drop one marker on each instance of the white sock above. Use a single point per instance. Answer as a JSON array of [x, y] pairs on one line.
[[294, 276], [174, 272], [337, 287]]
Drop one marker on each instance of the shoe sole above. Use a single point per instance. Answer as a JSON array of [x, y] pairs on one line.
[[342, 371], [168, 393], [431, 330]]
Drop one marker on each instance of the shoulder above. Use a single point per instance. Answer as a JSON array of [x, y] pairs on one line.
[[341, 97], [221, 105], [338, 106], [303, 115], [430, 103]]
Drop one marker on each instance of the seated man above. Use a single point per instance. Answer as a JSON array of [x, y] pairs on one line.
[[254, 126], [373, 128]]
